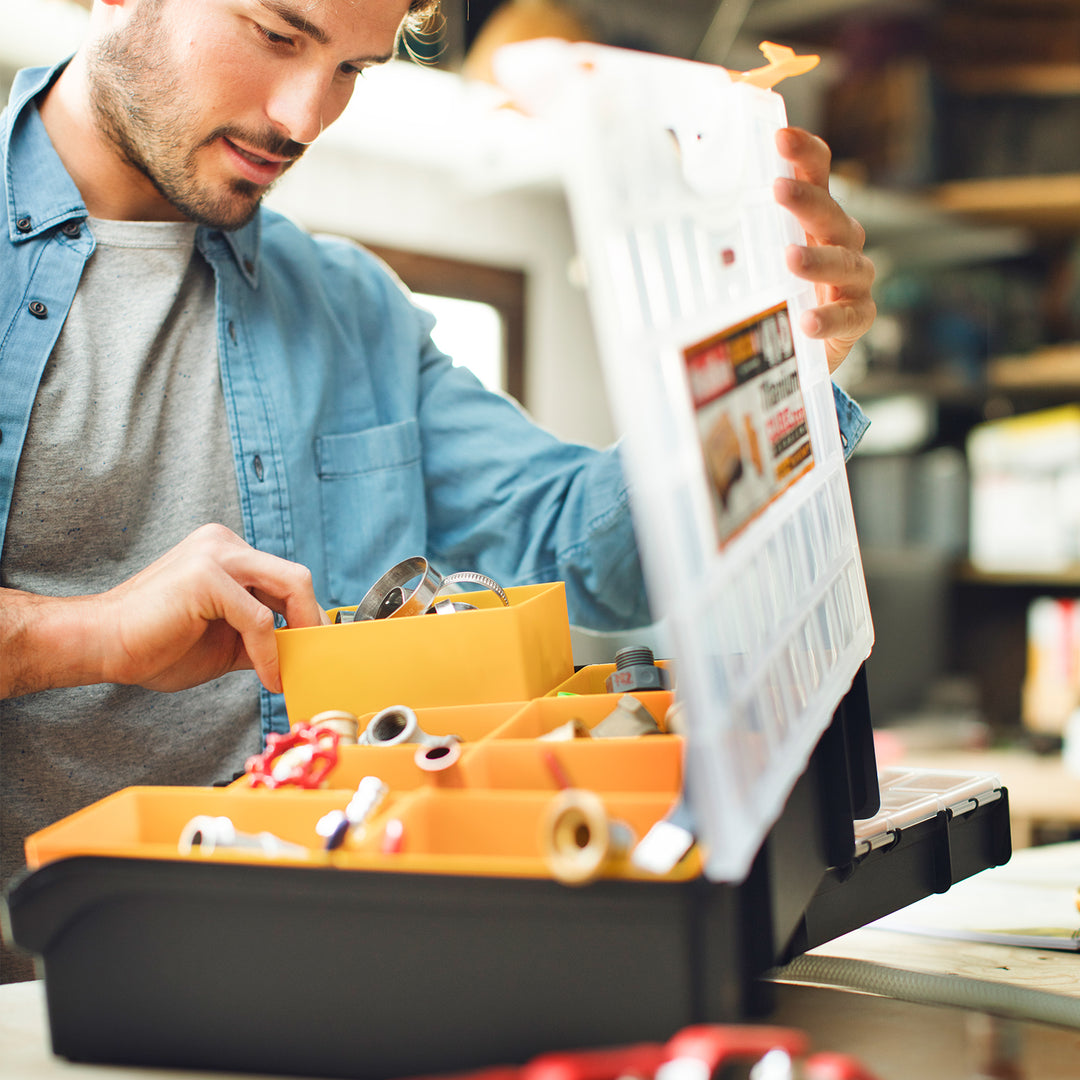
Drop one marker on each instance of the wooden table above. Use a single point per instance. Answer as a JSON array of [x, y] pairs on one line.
[[936, 1007]]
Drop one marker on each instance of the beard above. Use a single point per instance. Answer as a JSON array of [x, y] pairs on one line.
[[139, 103]]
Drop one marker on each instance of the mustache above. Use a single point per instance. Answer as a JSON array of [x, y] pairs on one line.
[[265, 142]]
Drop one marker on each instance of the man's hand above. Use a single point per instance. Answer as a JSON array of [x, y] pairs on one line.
[[203, 609], [833, 258]]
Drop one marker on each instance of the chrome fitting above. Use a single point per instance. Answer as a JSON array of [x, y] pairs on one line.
[[629, 718], [209, 833], [397, 724]]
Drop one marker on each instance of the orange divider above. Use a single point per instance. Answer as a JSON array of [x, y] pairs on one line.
[[590, 680], [146, 822], [495, 654], [468, 722], [650, 763], [451, 832], [545, 714]]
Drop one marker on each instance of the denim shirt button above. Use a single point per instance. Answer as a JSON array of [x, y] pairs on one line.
[[71, 229], [37, 309], [23, 224], [257, 465]]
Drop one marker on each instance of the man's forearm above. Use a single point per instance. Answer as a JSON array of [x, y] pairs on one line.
[[46, 642]]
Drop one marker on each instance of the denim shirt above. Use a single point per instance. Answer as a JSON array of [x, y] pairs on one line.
[[357, 443]]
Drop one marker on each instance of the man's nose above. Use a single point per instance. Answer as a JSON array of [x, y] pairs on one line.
[[297, 107]]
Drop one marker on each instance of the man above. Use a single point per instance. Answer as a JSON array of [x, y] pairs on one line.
[[171, 355]]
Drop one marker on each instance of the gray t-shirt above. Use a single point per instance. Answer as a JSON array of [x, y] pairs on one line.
[[128, 451]]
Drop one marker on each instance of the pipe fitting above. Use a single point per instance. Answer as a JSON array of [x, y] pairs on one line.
[[392, 726], [580, 839], [628, 719], [339, 720], [397, 725], [635, 669], [438, 754]]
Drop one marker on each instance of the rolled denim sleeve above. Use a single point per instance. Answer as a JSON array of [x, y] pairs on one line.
[[853, 421]]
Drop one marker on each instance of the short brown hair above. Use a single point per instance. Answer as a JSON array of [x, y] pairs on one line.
[[421, 12]]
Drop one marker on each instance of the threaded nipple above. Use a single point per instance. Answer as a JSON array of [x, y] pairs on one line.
[[632, 655]]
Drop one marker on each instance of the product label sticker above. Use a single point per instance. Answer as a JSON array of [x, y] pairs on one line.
[[751, 417]]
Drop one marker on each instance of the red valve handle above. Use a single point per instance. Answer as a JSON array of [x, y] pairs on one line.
[[309, 773]]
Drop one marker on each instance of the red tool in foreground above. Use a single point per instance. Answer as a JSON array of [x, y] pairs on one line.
[[694, 1053]]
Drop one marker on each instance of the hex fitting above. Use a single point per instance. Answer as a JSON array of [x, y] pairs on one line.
[[635, 669]]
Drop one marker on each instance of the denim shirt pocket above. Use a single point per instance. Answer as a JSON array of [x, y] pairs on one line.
[[371, 497]]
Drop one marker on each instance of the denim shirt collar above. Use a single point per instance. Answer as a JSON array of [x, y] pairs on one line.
[[39, 195]]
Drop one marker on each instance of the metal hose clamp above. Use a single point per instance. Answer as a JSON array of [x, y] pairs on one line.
[[478, 579], [382, 594], [388, 598]]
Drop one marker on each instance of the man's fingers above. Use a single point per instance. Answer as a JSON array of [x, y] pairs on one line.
[[206, 607], [810, 156], [283, 586], [845, 320], [818, 213], [252, 620], [832, 258], [842, 267]]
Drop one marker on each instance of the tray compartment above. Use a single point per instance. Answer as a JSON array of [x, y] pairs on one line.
[[495, 654], [503, 832], [651, 763], [592, 678], [543, 715], [146, 823]]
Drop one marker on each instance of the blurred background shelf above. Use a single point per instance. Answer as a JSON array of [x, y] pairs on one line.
[[1043, 204]]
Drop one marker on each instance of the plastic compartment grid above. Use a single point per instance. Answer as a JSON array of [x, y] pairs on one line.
[[501, 786], [669, 167], [909, 796]]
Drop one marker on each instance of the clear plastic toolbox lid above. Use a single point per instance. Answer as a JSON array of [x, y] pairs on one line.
[[730, 438]]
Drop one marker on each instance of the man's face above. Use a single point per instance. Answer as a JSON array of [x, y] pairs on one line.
[[212, 100]]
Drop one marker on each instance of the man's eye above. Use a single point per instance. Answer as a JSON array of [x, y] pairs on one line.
[[274, 39], [351, 69]]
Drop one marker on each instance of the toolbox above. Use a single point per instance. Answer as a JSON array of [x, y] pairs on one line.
[[440, 937], [460, 950]]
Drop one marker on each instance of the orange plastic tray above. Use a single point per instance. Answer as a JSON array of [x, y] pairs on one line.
[[482, 676], [495, 654]]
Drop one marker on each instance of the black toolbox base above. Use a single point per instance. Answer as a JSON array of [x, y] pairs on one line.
[[318, 972]]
